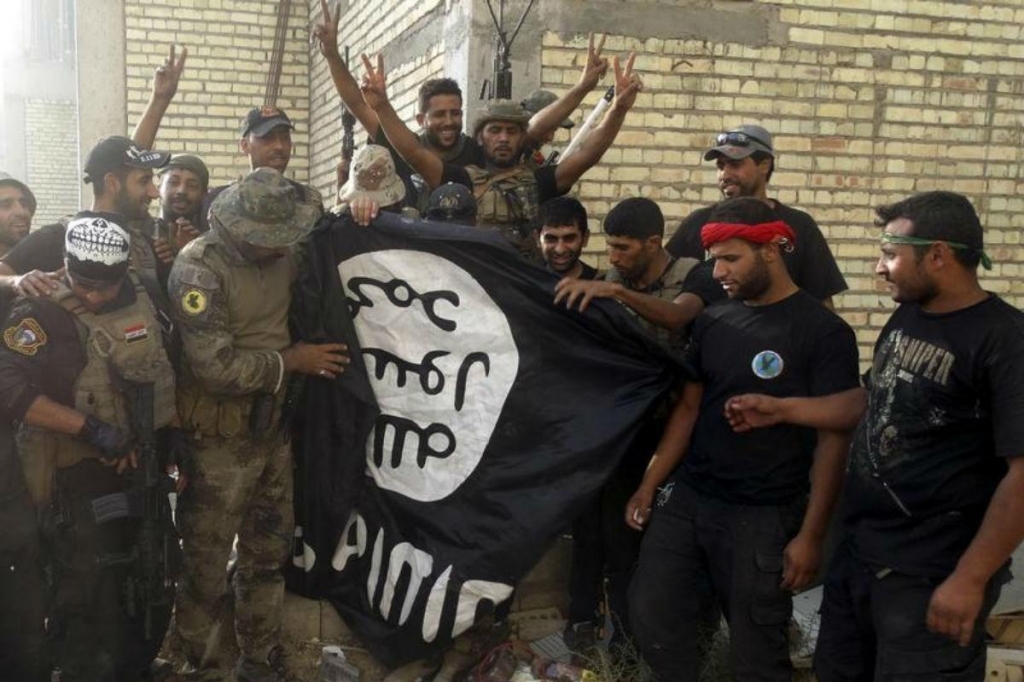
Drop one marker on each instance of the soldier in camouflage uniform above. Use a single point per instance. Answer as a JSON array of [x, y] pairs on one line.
[[508, 191], [67, 365], [231, 289]]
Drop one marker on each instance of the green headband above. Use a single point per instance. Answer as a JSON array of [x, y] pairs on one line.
[[889, 238]]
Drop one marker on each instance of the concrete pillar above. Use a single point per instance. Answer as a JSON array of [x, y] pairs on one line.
[[482, 43], [102, 86]]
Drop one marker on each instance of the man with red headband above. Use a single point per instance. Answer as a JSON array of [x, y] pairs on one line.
[[742, 518]]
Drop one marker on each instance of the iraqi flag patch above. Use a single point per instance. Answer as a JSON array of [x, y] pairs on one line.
[[135, 333]]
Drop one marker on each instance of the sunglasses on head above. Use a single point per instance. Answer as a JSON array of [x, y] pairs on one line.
[[738, 139]]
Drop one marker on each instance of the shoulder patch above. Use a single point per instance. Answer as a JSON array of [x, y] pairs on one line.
[[194, 301], [26, 337]]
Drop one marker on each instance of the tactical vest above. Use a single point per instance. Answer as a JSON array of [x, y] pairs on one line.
[[668, 287], [121, 345], [508, 201], [257, 312]]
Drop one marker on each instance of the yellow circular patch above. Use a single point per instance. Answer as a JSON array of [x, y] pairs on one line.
[[193, 302]]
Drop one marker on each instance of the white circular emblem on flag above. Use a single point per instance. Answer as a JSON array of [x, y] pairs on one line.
[[767, 364], [441, 359]]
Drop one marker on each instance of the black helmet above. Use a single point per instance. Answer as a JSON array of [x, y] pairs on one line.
[[452, 203]]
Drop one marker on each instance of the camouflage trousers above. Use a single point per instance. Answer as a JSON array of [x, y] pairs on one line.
[[241, 487]]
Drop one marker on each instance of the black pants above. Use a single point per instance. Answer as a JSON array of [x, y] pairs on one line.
[[605, 548], [23, 589], [873, 628], [698, 552], [99, 621]]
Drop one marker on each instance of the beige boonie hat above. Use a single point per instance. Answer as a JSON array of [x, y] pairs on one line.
[[373, 176], [263, 209]]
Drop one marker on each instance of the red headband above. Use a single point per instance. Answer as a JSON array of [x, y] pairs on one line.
[[762, 233]]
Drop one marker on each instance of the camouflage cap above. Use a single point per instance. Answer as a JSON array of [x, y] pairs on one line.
[[501, 110], [540, 99], [263, 209]]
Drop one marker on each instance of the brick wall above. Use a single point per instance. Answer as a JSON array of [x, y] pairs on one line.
[[367, 27], [51, 158], [230, 45], [869, 102]]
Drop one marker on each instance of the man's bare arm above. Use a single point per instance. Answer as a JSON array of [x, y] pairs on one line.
[[326, 35], [627, 87], [956, 603], [165, 85], [671, 448], [836, 412], [374, 90], [674, 315], [802, 556], [551, 116]]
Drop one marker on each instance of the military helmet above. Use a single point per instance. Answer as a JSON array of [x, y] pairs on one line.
[[452, 203], [501, 110], [264, 209]]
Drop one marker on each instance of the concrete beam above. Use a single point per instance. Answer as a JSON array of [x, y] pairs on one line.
[[102, 86]]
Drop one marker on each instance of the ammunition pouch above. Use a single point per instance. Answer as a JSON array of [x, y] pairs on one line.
[[254, 415]]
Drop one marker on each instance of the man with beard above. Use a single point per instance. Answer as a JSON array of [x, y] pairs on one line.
[[644, 277], [121, 175], [649, 282], [562, 236], [440, 110], [267, 141], [743, 519], [745, 157], [508, 191], [934, 500], [17, 206], [183, 184]]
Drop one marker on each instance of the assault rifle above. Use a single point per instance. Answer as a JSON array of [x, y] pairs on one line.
[[500, 85], [158, 549]]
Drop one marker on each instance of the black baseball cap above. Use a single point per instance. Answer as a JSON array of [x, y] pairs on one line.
[[116, 152], [262, 120]]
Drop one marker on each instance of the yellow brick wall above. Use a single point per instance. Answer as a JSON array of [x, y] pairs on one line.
[[51, 158], [366, 27], [869, 101], [230, 44]]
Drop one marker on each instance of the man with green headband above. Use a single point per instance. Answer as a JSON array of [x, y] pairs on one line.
[[934, 500]]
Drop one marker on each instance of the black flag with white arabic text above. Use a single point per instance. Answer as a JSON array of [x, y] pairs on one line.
[[474, 422]]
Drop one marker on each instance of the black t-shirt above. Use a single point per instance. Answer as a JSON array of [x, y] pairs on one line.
[[588, 272], [795, 347], [467, 152], [43, 249], [702, 284], [810, 264], [946, 410]]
